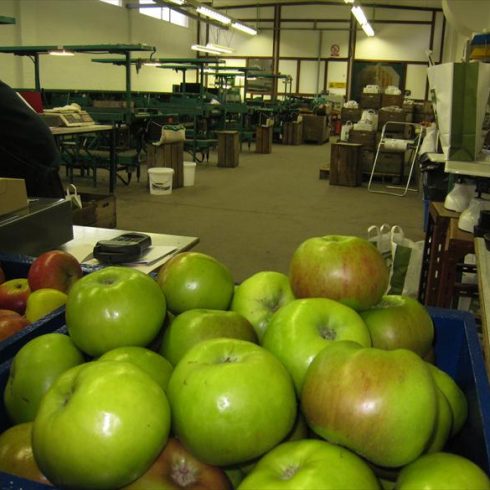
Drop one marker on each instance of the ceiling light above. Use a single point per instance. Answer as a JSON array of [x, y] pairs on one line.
[[60, 51], [244, 28], [212, 14], [359, 15], [177, 2], [205, 49], [151, 64], [219, 48], [368, 29], [349, 1]]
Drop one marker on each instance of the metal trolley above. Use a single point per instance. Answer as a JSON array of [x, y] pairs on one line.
[[398, 145]]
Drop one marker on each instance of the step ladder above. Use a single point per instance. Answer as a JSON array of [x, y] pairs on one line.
[[398, 145]]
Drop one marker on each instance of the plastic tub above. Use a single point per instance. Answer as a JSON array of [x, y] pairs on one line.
[[189, 173], [160, 179]]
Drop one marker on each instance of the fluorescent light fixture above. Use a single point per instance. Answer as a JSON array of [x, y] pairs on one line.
[[212, 14], [177, 2], [349, 1], [244, 28], [60, 51], [152, 64], [205, 49], [359, 15], [368, 29], [219, 48]]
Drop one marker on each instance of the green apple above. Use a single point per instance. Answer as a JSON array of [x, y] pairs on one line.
[[260, 296], [454, 395], [231, 401], [439, 471], [343, 268], [302, 328], [400, 322], [114, 307], [310, 464], [442, 425], [193, 280], [16, 456], [194, 326], [42, 302], [101, 425], [34, 369], [177, 468], [152, 363], [380, 404]]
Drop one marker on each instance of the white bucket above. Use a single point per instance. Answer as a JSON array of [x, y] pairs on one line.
[[160, 179], [189, 173]]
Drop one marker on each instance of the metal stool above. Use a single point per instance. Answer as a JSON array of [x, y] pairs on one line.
[[409, 144]]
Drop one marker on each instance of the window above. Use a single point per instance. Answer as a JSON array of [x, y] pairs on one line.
[[117, 3], [179, 19], [164, 13]]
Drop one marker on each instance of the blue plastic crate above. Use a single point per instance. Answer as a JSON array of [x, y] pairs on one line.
[[16, 266], [457, 351]]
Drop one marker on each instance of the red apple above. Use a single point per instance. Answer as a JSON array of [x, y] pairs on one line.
[[347, 269], [177, 468], [400, 322], [14, 294], [10, 323], [55, 270]]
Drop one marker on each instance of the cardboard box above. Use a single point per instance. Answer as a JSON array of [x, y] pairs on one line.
[[98, 210], [13, 195], [348, 114], [391, 100]]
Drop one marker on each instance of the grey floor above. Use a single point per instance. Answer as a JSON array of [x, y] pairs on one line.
[[252, 217]]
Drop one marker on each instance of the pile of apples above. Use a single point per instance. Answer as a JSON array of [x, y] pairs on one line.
[[307, 381], [26, 300]]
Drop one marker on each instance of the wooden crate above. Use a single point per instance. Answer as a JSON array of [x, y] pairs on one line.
[[169, 155], [98, 210], [315, 129], [228, 148], [392, 116], [365, 138], [391, 100], [347, 114], [292, 133], [263, 139], [370, 101], [345, 164]]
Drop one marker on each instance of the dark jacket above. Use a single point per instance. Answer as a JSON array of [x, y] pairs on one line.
[[27, 147]]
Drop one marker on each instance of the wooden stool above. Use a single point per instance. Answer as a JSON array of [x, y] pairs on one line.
[[292, 133], [434, 246], [169, 155], [228, 148], [458, 244], [263, 139], [345, 164]]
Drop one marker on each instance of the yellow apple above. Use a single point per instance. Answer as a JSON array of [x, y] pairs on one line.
[[43, 301]]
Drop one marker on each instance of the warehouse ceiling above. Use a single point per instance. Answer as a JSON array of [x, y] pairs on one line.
[[258, 3]]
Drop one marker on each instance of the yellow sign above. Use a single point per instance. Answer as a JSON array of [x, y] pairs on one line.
[[337, 85]]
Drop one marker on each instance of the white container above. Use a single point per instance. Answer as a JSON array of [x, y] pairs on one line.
[[160, 179], [189, 173]]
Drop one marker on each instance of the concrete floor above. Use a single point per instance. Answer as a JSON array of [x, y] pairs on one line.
[[253, 217]]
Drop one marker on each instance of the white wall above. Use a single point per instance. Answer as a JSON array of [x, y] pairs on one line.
[[80, 22]]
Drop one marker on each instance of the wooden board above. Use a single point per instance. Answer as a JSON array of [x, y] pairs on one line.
[[345, 164]]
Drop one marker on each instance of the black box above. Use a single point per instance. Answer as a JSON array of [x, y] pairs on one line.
[[44, 225]]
